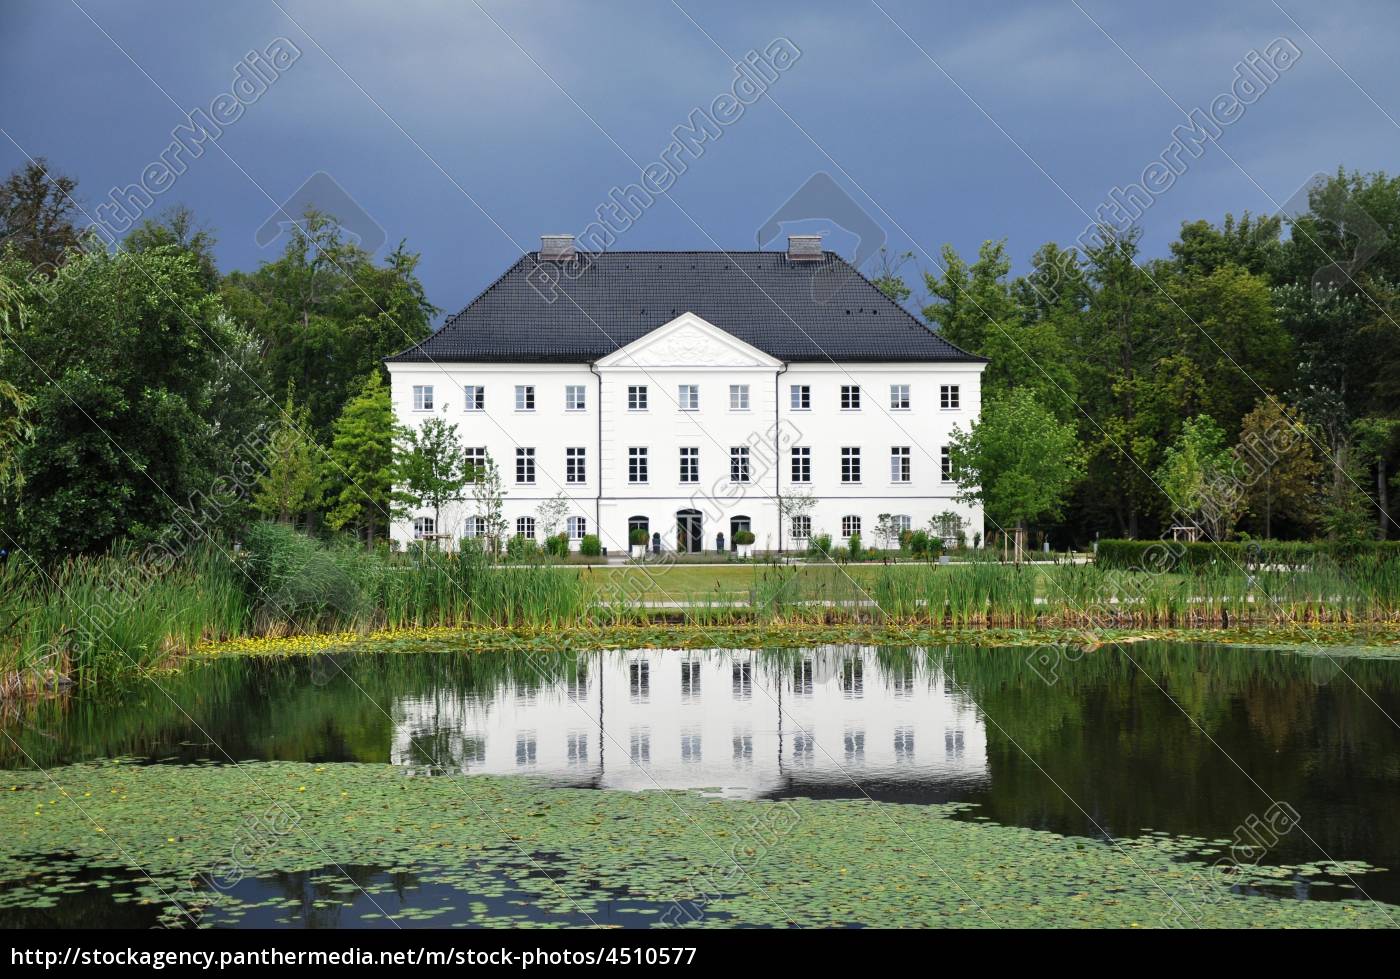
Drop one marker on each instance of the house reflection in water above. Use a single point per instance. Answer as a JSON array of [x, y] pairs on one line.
[[839, 720]]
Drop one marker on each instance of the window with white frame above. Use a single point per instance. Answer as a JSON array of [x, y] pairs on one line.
[[689, 397], [899, 464], [422, 397], [424, 527], [525, 527], [636, 464], [802, 527], [475, 527], [578, 526], [576, 465], [524, 397], [636, 397], [850, 524], [475, 458], [801, 464], [574, 397], [902, 522], [476, 397], [690, 464], [850, 397], [739, 464], [801, 397], [945, 464], [850, 464], [899, 397], [738, 397], [949, 397], [524, 466]]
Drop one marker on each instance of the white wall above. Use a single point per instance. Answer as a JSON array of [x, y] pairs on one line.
[[714, 429]]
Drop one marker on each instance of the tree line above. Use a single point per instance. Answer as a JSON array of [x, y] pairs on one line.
[[1248, 383]]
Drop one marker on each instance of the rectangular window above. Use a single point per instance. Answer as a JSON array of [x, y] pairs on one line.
[[424, 527], [801, 397], [475, 458], [524, 397], [636, 465], [899, 397], [850, 397], [636, 397], [690, 464], [525, 527], [689, 397], [739, 464], [738, 397], [574, 398], [801, 527], [945, 465], [899, 464], [801, 464], [476, 397], [850, 464], [578, 526], [850, 525], [476, 527], [949, 397], [576, 465], [422, 397], [525, 466]]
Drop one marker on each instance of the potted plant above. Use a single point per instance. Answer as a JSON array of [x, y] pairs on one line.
[[638, 540], [743, 543]]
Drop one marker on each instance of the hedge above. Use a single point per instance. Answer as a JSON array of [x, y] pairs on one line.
[[1160, 555]]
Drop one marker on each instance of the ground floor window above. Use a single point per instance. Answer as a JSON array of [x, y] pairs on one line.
[[578, 526], [902, 522], [638, 523], [476, 527], [802, 527], [525, 527], [424, 527], [850, 524]]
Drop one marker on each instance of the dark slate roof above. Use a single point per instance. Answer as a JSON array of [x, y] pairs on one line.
[[609, 299]]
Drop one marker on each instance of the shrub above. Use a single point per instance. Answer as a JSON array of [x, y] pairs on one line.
[[293, 578], [638, 537], [918, 544], [819, 546], [520, 548], [557, 544], [590, 546], [743, 537], [853, 545]]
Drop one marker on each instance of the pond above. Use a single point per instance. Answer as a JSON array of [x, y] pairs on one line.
[[1168, 782]]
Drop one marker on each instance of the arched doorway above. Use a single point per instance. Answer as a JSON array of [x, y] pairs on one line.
[[737, 524], [690, 531]]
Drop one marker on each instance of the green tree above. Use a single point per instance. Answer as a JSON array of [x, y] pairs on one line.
[[1191, 477], [887, 276], [488, 499], [1018, 460], [37, 208], [362, 459], [119, 361], [15, 428], [1278, 465], [291, 484], [432, 470], [325, 313]]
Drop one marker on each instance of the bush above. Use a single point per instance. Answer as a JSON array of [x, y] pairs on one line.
[[638, 537], [918, 545], [743, 537], [819, 546], [520, 548], [293, 578], [853, 545], [1198, 556], [590, 546], [557, 545]]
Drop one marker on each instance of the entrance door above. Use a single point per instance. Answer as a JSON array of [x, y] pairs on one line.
[[737, 524], [689, 532]]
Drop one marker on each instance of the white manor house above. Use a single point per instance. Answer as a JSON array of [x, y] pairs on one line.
[[687, 394]]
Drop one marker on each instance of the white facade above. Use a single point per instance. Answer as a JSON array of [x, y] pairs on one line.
[[745, 401]]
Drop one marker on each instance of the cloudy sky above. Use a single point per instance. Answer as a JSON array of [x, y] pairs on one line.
[[470, 129]]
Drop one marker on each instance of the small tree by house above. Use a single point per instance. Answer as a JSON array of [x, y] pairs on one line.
[[431, 467], [292, 483], [362, 455], [1018, 461], [886, 531], [488, 499], [794, 504], [552, 512]]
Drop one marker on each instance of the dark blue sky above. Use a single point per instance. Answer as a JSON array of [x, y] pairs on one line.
[[499, 114]]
